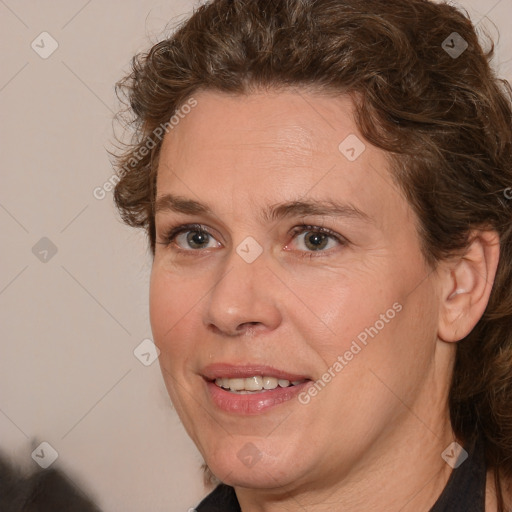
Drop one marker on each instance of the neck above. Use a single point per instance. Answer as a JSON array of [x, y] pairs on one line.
[[406, 473]]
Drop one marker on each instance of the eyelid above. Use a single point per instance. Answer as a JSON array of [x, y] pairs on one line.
[[305, 228], [169, 235]]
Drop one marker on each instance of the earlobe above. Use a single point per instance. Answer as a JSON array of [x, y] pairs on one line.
[[466, 284]]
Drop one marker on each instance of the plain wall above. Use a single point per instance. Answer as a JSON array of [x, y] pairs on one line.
[[70, 324]]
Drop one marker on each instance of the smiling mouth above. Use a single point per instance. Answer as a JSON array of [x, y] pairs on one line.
[[254, 384], [251, 389]]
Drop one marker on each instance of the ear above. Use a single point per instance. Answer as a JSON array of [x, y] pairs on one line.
[[466, 284]]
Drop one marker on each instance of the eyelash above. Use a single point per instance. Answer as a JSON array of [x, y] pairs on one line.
[[170, 235]]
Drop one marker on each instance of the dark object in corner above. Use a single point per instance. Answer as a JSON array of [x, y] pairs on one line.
[[46, 490]]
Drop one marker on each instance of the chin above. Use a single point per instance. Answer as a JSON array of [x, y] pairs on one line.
[[240, 462], [258, 478]]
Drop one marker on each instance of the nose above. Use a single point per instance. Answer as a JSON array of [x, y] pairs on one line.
[[244, 299]]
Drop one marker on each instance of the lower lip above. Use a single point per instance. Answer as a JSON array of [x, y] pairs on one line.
[[253, 403]]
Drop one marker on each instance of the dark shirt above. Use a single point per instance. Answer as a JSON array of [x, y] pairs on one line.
[[464, 491]]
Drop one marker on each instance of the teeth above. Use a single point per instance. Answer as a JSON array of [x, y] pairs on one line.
[[269, 383], [255, 383], [236, 384]]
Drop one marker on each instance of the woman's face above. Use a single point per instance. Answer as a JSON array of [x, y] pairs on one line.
[[350, 313]]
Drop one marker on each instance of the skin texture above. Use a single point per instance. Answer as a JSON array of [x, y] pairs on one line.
[[297, 309]]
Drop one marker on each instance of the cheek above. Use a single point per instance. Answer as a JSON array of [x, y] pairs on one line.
[[338, 307], [370, 316], [171, 305]]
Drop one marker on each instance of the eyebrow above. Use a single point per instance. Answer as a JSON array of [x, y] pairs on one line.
[[326, 207]]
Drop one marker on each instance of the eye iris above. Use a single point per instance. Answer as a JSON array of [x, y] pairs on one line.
[[317, 239], [314, 240], [197, 238]]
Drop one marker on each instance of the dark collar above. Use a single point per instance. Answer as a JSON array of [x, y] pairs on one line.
[[465, 490], [222, 499]]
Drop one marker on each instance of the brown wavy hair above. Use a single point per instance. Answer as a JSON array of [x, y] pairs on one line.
[[444, 119]]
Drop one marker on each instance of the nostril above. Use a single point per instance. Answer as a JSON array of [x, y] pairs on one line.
[[249, 328]]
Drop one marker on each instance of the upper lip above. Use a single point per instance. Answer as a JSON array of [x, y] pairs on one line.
[[231, 371]]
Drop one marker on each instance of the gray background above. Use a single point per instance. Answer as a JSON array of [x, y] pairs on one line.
[[71, 320]]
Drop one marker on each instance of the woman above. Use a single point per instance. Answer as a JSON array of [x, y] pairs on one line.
[[324, 187]]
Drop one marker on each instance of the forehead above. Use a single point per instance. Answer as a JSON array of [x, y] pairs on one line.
[[296, 121], [271, 147]]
